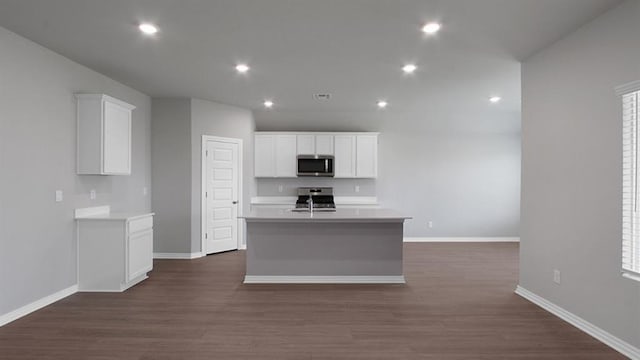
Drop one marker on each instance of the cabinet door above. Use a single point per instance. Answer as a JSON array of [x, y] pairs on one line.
[[366, 156], [264, 159], [116, 152], [140, 254], [324, 144], [286, 163], [345, 156], [306, 145]]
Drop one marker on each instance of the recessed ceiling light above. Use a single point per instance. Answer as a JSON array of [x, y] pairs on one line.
[[382, 104], [495, 99], [242, 68], [431, 28], [268, 104], [148, 29], [409, 68]]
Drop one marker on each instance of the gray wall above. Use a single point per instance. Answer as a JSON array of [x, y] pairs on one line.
[[571, 172], [210, 118], [458, 167], [171, 170], [178, 126], [37, 157]]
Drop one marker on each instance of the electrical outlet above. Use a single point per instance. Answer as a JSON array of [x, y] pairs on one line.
[[58, 195], [92, 194], [430, 224], [556, 276], [357, 188]]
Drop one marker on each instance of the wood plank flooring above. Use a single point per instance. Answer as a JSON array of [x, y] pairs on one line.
[[458, 304]]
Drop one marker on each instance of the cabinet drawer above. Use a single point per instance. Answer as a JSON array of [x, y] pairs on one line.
[[136, 225]]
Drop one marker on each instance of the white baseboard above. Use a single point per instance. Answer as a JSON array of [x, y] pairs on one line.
[[177, 256], [617, 344], [37, 305], [257, 279], [461, 239]]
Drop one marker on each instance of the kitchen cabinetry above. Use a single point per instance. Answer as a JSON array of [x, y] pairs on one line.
[[286, 164], [315, 144], [366, 156], [275, 155], [115, 251], [265, 157], [104, 135], [345, 156], [356, 154]]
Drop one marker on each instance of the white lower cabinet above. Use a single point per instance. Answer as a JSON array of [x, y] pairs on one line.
[[115, 251]]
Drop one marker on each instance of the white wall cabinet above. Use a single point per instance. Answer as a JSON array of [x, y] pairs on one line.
[[366, 156], [345, 156], [275, 155], [324, 144], [306, 144], [356, 154], [115, 251], [309, 144], [104, 135], [265, 156], [286, 163]]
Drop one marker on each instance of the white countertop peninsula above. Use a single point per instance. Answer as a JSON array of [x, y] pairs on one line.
[[345, 246], [340, 215]]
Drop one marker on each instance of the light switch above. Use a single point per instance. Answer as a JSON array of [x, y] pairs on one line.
[[92, 194], [357, 188], [58, 195], [145, 191], [280, 188]]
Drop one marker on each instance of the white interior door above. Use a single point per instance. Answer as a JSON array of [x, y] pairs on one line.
[[222, 176]]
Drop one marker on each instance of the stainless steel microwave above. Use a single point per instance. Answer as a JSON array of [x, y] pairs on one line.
[[315, 165]]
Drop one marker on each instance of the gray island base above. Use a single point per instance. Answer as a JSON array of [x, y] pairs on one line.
[[346, 246]]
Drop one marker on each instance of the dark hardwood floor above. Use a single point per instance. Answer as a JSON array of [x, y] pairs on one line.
[[458, 304]]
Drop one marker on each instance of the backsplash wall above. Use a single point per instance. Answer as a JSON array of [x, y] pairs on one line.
[[341, 187]]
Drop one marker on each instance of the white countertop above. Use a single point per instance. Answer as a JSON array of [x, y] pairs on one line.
[[340, 215], [104, 213], [115, 216]]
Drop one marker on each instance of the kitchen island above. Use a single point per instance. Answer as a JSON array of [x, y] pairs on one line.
[[345, 246]]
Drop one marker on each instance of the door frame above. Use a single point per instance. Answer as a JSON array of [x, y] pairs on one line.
[[203, 185]]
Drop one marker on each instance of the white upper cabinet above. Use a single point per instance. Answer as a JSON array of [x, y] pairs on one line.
[[286, 163], [309, 144], [104, 135], [355, 154], [345, 156], [265, 156], [275, 155], [306, 144], [366, 156], [324, 144]]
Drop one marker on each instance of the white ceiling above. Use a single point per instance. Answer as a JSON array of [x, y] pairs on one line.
[[353, 49]]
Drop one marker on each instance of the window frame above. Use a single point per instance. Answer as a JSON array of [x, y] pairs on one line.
[[634, 214]]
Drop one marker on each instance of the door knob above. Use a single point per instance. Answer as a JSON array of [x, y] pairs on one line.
[[234, 202]]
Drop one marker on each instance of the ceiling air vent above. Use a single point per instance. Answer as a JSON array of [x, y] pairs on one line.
[[322, 97]]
